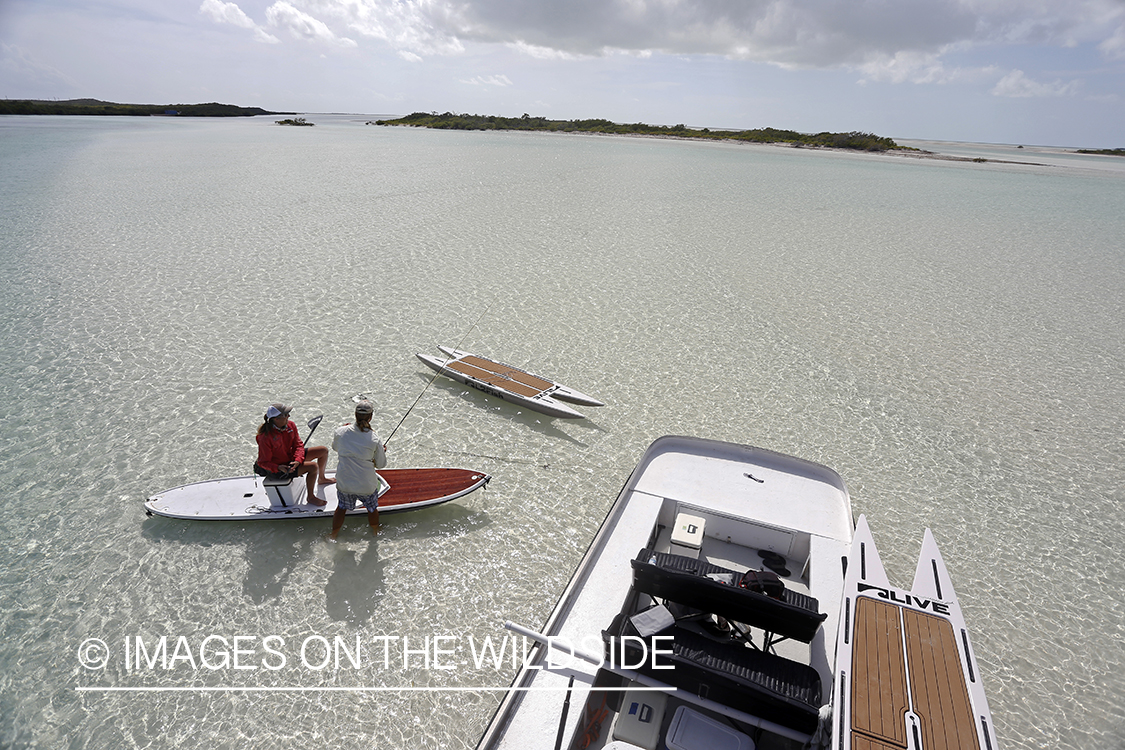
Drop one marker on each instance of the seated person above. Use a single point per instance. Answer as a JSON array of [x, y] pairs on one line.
[[282, 455]]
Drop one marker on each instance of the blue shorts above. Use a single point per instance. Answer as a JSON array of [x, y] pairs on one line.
[[348, 502]]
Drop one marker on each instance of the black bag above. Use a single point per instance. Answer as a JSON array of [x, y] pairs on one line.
[[763, 582]]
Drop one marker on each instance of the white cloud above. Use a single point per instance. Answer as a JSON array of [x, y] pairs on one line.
[[416, 27], [915, 67], [541, 53], [303, 26], [221, 12], [1114, 47], [898, 40], [500, 80], [229, 13], [1017, 85]]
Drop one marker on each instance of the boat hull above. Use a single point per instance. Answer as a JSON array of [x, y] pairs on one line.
[[248, 499]]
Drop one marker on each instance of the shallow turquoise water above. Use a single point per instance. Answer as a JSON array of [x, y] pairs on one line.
[[947, 335]]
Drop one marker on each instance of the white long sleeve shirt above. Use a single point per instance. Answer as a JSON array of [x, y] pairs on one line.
[[360, 454]]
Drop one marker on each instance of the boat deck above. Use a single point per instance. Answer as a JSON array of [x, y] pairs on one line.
[[500, 375], [907, 678]]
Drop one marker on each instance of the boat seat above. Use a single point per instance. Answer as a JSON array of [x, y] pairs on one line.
[[684, 580], [786, 692], [285, 492]]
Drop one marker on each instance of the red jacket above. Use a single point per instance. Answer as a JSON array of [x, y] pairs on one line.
[[276, 447]]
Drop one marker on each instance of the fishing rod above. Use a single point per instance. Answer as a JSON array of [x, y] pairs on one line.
[[438, 372]]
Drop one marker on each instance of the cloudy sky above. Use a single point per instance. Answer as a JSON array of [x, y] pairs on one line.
[[1042, 72]]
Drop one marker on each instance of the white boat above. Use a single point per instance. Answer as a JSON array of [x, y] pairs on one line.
[[509, 383], [703, 615], [257, 498]]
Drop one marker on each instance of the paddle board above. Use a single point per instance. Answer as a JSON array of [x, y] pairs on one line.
[[508, 383], [906, 675], [255, 498]]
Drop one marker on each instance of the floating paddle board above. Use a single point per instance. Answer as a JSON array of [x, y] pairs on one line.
[[509, 383], [256, 498]]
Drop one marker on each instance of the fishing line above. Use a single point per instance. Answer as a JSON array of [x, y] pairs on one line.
[[523, 461], [439, 371]]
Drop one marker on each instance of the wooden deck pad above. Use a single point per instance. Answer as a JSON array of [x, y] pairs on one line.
[[498, 380], [896, 648], [508, 371]]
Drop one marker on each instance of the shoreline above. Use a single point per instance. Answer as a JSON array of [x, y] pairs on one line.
[[909, 153]]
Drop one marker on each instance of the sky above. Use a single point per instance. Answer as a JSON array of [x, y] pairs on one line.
[[1034, 72]]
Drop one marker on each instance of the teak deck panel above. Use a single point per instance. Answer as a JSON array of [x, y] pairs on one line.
[[938, 687], [509, 372], [878, 672], [499, 380], [896, 648]]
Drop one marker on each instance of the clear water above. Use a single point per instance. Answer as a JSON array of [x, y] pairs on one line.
[[947, 335]]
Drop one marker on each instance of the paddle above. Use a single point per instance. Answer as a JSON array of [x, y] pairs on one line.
[[312, 427]]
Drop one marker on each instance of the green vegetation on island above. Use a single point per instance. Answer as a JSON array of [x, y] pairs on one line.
[[298, 121], [1103, 151], [450, 121], [98, 107]]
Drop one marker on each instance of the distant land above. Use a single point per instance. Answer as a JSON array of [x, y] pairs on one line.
[[449, 121], [98, 107], [1103, 151], [855, 140]]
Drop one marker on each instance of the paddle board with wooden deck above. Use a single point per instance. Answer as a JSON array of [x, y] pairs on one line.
[[256, 498], [906, 677], [509, 383]]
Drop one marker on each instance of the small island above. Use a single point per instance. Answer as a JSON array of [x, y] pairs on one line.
[[296, 121], [449, 121], [1102, 151], [98, 107]]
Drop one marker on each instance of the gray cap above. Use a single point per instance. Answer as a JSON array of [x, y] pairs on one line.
[[364, 407], [276, 410]]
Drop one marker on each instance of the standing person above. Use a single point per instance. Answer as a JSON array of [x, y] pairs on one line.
[[361, 453], [281, 453]]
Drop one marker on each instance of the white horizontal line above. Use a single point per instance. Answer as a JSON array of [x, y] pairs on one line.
[[357, 689]]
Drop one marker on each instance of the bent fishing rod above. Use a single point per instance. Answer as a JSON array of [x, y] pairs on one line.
[[438, 372]]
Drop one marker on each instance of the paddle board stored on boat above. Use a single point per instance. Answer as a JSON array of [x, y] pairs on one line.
[[906, 673], [256, 498], [724, 602], [509, 383]]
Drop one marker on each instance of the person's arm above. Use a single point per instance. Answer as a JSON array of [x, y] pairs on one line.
[[299, 447], [380, 457]]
